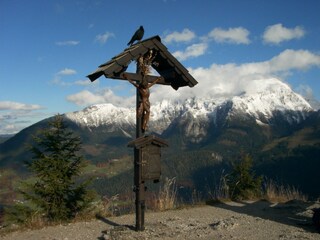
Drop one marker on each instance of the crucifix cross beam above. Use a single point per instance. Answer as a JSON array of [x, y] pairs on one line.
[[138, 78]]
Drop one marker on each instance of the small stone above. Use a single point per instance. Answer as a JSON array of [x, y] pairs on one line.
[[105, 237]]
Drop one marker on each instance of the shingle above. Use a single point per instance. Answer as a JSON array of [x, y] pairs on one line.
[[173, 72]]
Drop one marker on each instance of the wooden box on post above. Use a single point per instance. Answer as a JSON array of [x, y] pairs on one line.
[[150, 147]]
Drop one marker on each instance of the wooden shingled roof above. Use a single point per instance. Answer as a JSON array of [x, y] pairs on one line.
[[145, 140], [169, 68]]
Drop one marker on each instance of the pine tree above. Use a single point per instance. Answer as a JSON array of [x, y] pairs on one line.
[[242, 182], [56, 166]]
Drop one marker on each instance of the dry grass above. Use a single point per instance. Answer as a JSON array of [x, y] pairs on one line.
[[167, 197], [116, 205], [272, 192], [221, 190], [108, 206], [279, 193]]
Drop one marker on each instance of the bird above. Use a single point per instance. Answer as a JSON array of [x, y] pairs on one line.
[[137, 36]]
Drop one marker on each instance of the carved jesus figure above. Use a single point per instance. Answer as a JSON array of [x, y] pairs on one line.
[[143, 110]]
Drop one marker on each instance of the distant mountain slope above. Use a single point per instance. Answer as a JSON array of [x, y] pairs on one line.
[[5, 137], [270, 122]]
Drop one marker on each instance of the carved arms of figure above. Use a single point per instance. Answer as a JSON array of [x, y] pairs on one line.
[[132, 82], [137, 86]]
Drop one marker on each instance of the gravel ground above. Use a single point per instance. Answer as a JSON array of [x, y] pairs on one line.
[[250, 220]]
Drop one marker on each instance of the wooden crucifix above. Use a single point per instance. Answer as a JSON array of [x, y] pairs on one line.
[[142, 119], [147, 53]]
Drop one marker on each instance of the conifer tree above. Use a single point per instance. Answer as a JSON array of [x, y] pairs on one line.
[[56, 165], [242, 182]]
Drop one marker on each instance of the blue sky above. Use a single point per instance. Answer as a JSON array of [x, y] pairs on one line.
[[48, 47]]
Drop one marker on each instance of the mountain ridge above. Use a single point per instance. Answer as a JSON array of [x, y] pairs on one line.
[[274, 125], [278, 97]]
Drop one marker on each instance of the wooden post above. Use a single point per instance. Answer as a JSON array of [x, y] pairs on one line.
[[139, 187]]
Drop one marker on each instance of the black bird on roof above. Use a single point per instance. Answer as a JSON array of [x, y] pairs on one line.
[[137, 36]]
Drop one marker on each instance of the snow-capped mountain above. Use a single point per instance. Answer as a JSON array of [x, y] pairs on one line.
[[276, 97], [197, 114], [95, 115], [111, 117], [272, 123]]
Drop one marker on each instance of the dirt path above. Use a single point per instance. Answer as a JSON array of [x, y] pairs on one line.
[[257, 220]]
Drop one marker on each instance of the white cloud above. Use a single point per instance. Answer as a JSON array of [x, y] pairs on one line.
[[237, 35], [195, 50], [307, 92], [15, 116], [228, 80], [85, 98], [294, 59], [277, 33], [9, 105], [217, 80], [68, 43], [67, 71], [86, 82], [283, 63], [185, 36], [7, 128], [102, 38], [57, 80]]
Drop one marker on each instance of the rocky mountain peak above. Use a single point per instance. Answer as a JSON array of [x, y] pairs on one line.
[[261, 103]]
